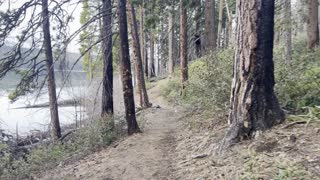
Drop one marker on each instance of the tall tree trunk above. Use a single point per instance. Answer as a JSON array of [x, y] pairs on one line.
[[144, 100], [107, 83], [288, 31], [146, 64], [142, 45], [125, 67], [254, 105], [183, 45], [229, 41], [210, 32], [171, 50], [160, 47], [198, 16], [220, 24], [55, 124], [151, 68], [313, 26]]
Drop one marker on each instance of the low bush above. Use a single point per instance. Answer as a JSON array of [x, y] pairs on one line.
[[209, 83], [298, 84], [95, 136]]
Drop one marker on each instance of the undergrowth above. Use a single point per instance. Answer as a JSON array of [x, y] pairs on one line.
[[258, 166], [208, 88], [95, 136]]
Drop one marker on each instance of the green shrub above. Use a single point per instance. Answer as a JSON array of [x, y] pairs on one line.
[[209, 83], [171, 90], [298, 84], [210, 80]]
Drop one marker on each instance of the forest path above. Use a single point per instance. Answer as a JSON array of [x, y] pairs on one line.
[[148, 155]]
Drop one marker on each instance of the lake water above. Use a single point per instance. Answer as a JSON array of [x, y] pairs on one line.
[[25, 120]]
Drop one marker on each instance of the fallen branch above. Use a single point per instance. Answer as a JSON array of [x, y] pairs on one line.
[[67, 134], [294, 123]]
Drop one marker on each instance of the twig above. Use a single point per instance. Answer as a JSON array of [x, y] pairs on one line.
[[294, 123]]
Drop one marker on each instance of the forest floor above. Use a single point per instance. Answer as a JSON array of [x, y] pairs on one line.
[[180, 143], [147, 155]]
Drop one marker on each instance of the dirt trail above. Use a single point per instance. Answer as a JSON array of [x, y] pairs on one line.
[[148, 155]]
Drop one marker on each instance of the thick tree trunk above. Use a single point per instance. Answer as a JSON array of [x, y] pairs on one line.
[[313, 26], [151, 64], [125, 67], [288, 31], [220, 24], [144, 100], [55, 124], [171, 55], [254, 106], [183, 45], [210, 33], [107, 83]]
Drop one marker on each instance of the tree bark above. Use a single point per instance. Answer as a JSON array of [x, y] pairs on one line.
[[183, 45], [55, 124], [151, 68], [107, 83], [220, 23], [125, 68], [142, 45], [254, 105], [288, 31], [198, 29], [146, 64], [229, 41], [171, 55], [210, 33], [313, 26], [144, 99], [159, 49]]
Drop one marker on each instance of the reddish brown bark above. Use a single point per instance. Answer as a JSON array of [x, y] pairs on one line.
[[144, 100], [210, 33], [254, 106]]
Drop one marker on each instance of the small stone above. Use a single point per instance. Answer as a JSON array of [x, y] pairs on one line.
[[293, 138]]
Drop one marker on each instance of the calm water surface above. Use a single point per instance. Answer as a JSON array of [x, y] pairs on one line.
[[26, 120]]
